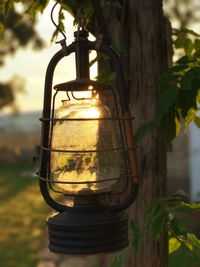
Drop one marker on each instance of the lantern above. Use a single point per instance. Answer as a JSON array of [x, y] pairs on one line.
[[88, 171]]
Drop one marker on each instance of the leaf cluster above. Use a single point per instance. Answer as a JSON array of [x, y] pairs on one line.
[[177, 106], [8, 91], [17, 28], [165, 214]]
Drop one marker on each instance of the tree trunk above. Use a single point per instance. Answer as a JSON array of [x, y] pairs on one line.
[[148, 55], [146, 39]]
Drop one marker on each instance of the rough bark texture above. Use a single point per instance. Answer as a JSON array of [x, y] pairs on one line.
[[145, 36], [148, 59]]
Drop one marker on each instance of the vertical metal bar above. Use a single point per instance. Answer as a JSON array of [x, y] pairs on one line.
[[45, 131]]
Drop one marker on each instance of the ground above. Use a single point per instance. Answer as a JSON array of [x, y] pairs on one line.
[[23, 213], [22, 217]]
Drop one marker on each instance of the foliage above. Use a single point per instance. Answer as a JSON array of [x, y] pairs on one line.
[[182, 258], [167, 214], [177, 106], [16, 30], [8, 90], [184, 13], [137, 234]]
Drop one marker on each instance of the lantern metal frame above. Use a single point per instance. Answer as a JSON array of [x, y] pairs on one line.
[[82, 84], [88, 227]]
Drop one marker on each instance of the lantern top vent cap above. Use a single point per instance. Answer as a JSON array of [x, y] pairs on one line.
[[82, 85]]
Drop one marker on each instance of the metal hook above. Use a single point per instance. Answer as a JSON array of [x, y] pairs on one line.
[[54, 23]]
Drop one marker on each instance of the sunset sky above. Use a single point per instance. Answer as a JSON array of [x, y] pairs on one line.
[[31, 65]]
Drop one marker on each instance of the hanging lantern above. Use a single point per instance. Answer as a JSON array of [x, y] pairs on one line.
[[88, 169]]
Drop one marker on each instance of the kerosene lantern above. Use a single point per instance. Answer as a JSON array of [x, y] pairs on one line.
[[88, 171]]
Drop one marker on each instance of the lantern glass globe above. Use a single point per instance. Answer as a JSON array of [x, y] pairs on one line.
[[84, 138]]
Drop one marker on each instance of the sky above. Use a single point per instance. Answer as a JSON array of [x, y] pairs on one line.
[[31, 65]]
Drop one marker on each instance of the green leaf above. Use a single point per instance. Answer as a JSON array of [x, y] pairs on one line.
[[174, 244], [137, 235], [188, 207], [186, 82], [190, 117], [183, 60], [168, 77], [178, 125], [185, 101], [2, 28], [119, 49], [197, 121], [198, 97], [192, 206], [100, 56], [8, 4], [189, 31], [158, 223], [182, 90], [188, 46], [179, 43], [195, 85], [156, 216], [197, 45], [168, 125], [42, 5], [106, 76], [184, 43], [145, 129], [181, 194], [194, 241], [165, 101], [178, 227]]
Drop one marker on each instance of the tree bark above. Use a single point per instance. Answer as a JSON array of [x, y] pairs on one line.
[[148, 59], [145, 35]]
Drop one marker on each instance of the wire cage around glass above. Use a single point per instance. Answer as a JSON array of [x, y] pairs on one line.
[[87, 151]]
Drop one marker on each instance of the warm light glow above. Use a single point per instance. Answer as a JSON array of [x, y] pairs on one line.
[[76, 136], [82, 136], [90, 113], [90, 94]]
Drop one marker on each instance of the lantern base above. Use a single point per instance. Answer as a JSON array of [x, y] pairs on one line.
[[85, 233]]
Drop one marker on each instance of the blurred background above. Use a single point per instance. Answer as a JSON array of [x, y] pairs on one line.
[[24, 56]]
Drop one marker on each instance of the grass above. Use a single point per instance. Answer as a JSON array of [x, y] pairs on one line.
[[22, 217]]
